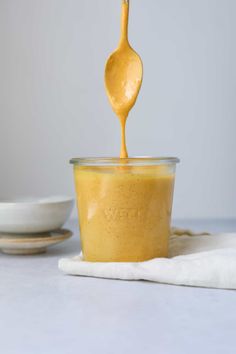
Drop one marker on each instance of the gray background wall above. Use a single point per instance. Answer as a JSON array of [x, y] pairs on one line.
[[53, 104]]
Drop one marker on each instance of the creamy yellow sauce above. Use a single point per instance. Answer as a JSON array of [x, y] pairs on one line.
[[124, 212]]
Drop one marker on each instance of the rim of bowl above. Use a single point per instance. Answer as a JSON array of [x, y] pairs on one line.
[[35, 201]]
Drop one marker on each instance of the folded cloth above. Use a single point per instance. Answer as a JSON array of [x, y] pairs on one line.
[[194, 260]]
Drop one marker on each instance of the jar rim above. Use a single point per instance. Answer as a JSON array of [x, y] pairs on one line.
[[130, 161]]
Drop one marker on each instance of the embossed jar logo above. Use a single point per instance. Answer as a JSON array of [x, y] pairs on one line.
[[119, 214]]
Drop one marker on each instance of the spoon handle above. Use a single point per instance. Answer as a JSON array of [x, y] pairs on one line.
[[124, 22]]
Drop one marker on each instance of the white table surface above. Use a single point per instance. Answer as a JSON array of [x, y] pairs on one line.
[[43, 311]]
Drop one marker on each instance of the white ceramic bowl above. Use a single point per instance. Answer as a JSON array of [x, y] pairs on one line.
[[34, 215]]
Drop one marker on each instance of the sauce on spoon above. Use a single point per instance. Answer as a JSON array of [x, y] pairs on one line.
[[123, 77]]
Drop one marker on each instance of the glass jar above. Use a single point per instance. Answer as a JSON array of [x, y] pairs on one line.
[[124, 207]]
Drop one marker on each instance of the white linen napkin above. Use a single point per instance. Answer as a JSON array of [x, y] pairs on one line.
[[194, 260]]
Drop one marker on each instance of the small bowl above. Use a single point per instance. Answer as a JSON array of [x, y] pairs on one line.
[[34, 215]]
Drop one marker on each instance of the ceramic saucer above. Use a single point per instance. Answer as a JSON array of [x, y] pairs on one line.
[[31, 244]]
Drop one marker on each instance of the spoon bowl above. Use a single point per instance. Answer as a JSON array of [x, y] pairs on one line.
[[123, 78]]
